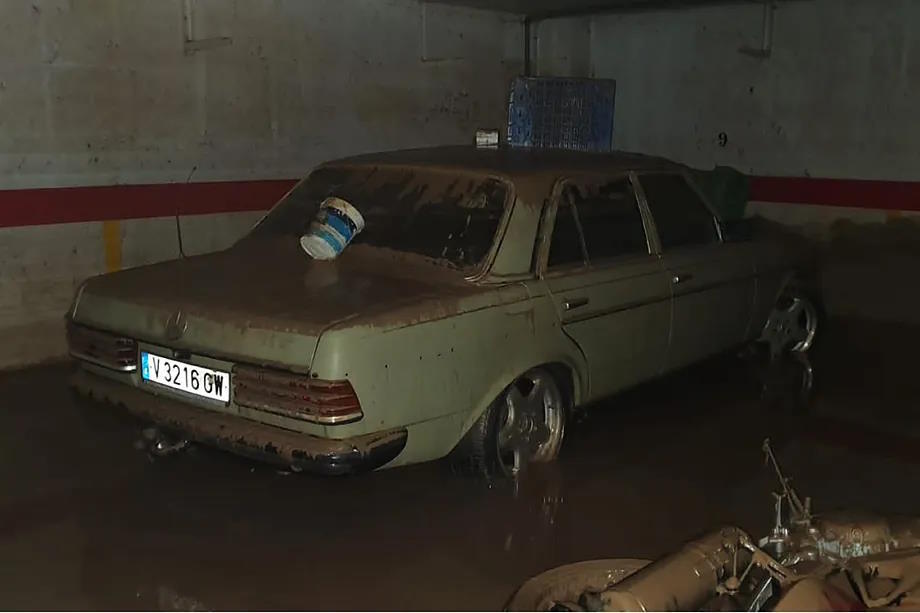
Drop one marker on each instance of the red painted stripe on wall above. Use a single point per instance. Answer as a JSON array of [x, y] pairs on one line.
[[885, 195], [31, 207]]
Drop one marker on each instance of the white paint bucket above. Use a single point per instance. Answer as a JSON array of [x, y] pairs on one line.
[[336, 224]]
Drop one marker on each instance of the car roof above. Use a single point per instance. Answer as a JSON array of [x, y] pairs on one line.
[[511, 162]]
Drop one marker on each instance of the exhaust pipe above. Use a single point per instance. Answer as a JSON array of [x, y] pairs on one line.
[[161, 444]]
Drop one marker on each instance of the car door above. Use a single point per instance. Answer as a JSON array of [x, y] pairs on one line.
[[712, 281], [611, 293]]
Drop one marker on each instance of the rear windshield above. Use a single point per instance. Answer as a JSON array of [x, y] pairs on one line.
[[438, 214]]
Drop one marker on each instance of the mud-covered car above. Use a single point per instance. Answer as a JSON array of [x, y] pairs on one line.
[[490, 293]]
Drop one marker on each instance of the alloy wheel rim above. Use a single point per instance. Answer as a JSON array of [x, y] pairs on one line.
[[531, 423], [792, 326]]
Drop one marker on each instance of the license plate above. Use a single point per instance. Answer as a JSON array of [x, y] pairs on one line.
[[204, 382]]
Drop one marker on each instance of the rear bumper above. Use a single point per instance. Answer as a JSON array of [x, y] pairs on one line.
[[245, 437]]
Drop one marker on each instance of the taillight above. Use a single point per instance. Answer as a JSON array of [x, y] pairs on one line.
[[102, 348], [294, 395], [333, 401]]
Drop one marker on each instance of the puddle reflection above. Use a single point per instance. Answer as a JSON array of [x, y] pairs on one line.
[[787, 383]]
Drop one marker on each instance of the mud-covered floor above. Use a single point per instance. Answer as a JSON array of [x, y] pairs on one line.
[[88, 522]]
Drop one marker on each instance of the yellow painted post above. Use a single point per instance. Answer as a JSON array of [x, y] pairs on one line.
[[111, 239]]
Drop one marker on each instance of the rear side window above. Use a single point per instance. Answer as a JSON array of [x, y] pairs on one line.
[[448, 216], [610, 219], [680, 215], [565, 246]]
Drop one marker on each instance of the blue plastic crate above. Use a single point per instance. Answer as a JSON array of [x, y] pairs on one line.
[[561, 113]]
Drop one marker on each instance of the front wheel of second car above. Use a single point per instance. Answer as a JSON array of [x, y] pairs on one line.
[[525, 424]]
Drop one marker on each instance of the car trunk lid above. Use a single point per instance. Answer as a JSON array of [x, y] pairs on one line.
[[262, 301]]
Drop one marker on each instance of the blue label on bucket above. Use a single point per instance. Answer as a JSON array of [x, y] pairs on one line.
[[334, 241], [335, 220]]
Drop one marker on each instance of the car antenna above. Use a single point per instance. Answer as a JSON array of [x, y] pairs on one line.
[[802, 511], [178, 225]]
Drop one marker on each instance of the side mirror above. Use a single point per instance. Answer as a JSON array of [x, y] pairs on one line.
[[737, 230]]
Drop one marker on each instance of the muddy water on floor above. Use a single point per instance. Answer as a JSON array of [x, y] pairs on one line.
[[87, 521]]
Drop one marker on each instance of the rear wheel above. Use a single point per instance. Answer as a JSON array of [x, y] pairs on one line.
[[525, 424]]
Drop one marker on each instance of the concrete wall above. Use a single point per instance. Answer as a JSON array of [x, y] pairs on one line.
[[108, 92], [832, 110], [837, 98], [562, 47]]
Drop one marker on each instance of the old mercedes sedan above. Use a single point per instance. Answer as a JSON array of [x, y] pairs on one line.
[[490, 293]]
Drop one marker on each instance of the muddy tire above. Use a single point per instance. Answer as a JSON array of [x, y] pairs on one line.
[[526, 423], [787, 383]]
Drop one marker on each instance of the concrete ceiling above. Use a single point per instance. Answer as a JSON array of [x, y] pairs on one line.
[[556, 8]]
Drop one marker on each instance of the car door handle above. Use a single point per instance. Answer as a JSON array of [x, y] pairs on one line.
[[677, 279], [574, 303]]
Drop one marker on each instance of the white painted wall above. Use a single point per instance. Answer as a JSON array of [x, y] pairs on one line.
[[562, 47], [838, 97], [100, 92]]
